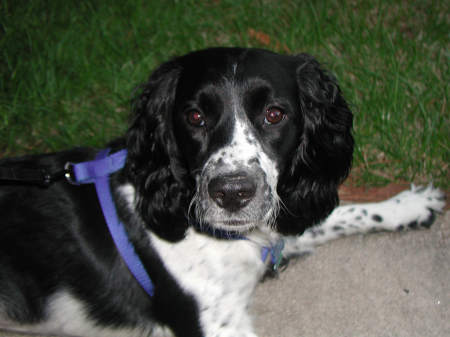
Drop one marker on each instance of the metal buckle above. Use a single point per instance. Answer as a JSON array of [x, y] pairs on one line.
[[47, 178], [68, 167]]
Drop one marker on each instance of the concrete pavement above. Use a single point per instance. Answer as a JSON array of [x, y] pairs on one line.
[[384, 284]]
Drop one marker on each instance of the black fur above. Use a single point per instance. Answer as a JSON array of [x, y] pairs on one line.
[[324, 156]]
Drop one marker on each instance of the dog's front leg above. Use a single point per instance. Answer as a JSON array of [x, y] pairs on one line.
[[410, 209]]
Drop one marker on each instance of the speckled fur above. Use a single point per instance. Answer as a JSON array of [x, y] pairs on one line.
[[411, 209]]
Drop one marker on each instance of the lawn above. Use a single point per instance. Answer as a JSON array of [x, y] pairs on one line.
[[68, 69]]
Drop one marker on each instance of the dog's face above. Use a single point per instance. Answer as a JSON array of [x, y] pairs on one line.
[[236, 123], [245, 137]]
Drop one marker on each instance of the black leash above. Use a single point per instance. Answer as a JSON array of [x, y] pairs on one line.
[[38, 176]]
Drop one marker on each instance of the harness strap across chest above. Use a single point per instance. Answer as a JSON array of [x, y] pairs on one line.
[[97, 172]]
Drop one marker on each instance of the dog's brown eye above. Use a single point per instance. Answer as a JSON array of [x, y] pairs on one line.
[[273, 116], [195, 118]]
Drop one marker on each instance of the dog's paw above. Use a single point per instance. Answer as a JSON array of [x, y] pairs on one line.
[[419, 205]]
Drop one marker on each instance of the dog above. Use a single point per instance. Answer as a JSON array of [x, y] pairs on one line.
[[230, 151]]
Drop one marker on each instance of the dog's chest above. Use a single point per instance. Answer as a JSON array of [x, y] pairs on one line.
[[220, 274]]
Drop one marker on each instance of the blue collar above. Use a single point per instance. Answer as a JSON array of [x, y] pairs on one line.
[[274, 250], [217, 233], [98, 171]]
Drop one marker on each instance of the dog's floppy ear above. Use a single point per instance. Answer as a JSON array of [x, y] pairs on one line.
[[322, 161], [154, 165]]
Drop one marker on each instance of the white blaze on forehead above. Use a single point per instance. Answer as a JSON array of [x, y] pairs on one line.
[[243, 143], [243, 148]]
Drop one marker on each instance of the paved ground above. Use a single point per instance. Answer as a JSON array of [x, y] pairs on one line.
[[386, 284]]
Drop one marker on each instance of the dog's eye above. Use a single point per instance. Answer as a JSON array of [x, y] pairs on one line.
[[195, 118], [273, 116]]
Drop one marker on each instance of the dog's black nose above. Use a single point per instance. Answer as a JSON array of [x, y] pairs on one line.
[[232, 192]]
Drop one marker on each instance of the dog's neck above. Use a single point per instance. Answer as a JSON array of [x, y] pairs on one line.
[[261, 235]]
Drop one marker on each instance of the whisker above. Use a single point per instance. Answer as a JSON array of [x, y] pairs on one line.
[[285, 208]]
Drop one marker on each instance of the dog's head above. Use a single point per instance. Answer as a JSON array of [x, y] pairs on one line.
[[238, 138]]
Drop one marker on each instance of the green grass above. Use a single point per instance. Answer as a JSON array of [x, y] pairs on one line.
[[68, 69]]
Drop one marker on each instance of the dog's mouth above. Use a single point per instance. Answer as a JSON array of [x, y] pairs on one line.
[[237, 222], [236, 225], [243, 221], [230, 226]]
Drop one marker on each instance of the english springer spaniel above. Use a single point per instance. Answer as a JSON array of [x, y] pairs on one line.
[[230, 151]]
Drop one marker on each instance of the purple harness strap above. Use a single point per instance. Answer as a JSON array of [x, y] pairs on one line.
[[102, 166], [98, 171]]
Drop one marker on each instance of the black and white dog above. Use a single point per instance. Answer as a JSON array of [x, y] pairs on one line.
[[225, 140]]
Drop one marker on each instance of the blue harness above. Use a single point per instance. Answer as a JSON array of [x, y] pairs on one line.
[[98, 172]]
